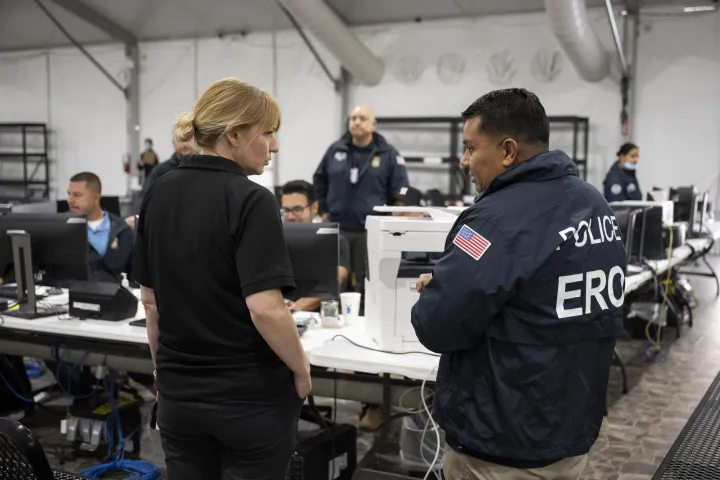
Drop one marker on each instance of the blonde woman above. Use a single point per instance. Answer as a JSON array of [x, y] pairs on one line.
[[231, 372]]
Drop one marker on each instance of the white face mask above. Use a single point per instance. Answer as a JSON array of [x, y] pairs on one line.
[[148, 146], [630, 166]]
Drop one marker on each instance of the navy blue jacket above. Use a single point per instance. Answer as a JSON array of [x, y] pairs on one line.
[[525, 316], [118, 256], [621, 184], [378, 181]]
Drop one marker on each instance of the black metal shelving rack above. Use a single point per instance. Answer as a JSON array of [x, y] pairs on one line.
[[580, 139], [459, 181], [25, 144]]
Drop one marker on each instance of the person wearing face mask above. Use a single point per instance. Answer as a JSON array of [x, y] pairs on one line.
[[358, 173], [213, 266], [148, 160], [621, 182], [181, 149], [523, 306]]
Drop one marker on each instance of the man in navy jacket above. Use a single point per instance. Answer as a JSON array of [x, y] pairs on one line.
[[110, 239], [358, 172], [525, 303]]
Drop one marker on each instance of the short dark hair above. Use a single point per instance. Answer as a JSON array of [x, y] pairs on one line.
[[300, 186], [92, 180], [511, 111], [626, 148]]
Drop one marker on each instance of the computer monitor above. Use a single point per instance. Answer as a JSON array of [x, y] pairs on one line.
[[314, 252], [684, 199], [109, 204], [45, 248], [626, 219], [702, 213]]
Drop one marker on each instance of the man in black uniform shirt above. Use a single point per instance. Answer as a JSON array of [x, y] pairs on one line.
[[524, 305], [358, 172], [299, 205]]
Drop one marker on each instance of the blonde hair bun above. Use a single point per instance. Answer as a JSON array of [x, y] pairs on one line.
[[226, 104], [184, 127]]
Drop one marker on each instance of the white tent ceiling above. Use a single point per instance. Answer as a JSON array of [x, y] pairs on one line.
[[23, 25]]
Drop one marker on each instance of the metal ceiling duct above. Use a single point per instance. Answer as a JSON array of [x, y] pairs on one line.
[[327, 27], [572, 28]]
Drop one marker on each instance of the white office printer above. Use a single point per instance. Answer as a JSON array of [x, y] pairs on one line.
[[389, 295]]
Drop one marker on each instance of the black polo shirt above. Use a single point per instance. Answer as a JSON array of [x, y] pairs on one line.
[[207, 238]]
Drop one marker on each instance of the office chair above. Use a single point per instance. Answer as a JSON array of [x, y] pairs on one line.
[[22, 457], [435, 197]]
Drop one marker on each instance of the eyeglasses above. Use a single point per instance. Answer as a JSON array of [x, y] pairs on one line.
[[297, 211]]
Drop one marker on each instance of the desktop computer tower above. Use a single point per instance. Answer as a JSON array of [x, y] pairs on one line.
[[329, 453], [102, 301], [650, 235]]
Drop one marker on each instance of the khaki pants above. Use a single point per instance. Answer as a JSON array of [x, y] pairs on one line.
[[461, 467]]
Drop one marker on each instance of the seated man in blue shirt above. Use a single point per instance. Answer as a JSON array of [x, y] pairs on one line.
[[110, 239]]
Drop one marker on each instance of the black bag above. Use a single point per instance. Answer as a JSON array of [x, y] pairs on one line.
[[14, 378]]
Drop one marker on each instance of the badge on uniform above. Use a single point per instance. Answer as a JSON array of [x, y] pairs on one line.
[[616, 189], [471, 242], [340, 156], [353, 175], [400, 160], [631, 187], [375, 161], [114, 245]]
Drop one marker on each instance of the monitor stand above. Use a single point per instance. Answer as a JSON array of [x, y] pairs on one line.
[[22, 258]]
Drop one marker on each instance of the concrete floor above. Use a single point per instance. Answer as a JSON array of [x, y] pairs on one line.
[[637, 433]]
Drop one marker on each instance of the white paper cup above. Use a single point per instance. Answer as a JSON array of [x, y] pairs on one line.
[[350, 304]]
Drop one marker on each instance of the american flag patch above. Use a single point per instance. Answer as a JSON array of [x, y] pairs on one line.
[[471, 242]]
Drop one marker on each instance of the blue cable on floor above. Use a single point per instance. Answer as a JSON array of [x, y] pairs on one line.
[[139, 469], [12, 390]]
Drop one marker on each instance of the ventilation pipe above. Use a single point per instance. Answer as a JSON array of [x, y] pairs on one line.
[[329, 29], [570, 24]]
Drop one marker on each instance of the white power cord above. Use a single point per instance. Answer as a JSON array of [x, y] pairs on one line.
[[435, 427]]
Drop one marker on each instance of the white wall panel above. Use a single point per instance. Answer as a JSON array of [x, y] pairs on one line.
[[476, 41], [678, 112], [167, 88], [311, 107], [677, 118], [87, 116]]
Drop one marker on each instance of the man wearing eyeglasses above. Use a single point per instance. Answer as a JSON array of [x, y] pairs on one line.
[[299, 205]]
